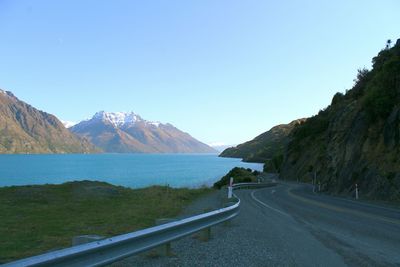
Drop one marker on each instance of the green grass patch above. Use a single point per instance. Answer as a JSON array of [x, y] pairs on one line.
[[39, 218]]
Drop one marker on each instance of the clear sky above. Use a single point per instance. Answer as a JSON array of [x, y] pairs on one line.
[[222, 70]]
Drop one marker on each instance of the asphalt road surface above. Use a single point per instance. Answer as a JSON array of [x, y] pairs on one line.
[[331, 231], [289, 225]]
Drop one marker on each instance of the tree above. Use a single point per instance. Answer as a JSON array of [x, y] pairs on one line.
[[362, 75], [388, 43]]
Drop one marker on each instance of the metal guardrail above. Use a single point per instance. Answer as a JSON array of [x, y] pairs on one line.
[[253, 185], [103, 252]]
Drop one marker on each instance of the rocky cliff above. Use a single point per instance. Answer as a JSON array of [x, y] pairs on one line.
[[356, 140]]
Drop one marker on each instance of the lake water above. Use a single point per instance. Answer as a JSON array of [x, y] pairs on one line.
[[131, 170]]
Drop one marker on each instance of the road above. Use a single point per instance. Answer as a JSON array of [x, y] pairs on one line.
[[289, 225], [356, 233]]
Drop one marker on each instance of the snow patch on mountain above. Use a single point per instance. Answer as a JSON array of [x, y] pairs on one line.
[[68, 124], [119, 119], [155, 123]]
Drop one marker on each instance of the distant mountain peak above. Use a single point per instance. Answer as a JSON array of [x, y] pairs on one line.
[[127, 132], [119, 119], [7, 93]]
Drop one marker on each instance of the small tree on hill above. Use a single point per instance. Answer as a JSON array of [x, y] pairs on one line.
[[388, 43]]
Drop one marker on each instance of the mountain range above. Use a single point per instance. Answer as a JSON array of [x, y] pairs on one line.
[[120, 132], [353, 141], [24, 129]]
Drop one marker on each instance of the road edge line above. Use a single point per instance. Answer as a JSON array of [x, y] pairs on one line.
[[268, 206]]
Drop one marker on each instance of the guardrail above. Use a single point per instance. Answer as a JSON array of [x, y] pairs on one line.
[[253, 185], [112, 249]]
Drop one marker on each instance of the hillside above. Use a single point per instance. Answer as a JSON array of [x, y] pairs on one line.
[[264, 147], [129, 133], [357, 138], [24, 129]]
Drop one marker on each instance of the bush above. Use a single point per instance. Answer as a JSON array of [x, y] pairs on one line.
[[383, 90], [239, 175], [378, 104], [274, 164], [337, 98]]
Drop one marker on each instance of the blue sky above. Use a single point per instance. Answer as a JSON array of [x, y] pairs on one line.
[[224, 71]]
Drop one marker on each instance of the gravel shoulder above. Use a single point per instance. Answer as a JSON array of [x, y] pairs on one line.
[[255, 238]]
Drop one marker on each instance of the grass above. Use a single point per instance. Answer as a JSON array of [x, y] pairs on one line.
[[36, 219]]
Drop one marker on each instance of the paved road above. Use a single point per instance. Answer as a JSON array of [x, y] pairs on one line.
[[359, 234], [289, 225]]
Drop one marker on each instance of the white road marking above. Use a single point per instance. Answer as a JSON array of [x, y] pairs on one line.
[[268, 206]]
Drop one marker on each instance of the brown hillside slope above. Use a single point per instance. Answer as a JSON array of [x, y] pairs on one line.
[[24, 129]]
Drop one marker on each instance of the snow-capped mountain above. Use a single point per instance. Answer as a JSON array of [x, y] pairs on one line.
[[127, 132], [117, 119]]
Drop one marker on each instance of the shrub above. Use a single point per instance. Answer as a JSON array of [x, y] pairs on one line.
[[240, 175]]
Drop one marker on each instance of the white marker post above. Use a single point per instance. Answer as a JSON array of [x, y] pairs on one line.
[[230, 188], [356, 191]]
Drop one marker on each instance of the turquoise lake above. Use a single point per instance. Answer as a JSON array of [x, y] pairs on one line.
[[131, 170]]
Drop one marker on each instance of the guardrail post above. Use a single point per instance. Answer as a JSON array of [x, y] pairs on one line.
[[205, 234], [164, 250]]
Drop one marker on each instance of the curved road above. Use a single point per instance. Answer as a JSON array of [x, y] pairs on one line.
[[345, 232], [289, 225]]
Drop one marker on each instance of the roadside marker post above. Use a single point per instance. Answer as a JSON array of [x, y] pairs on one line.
[[230, 188]]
